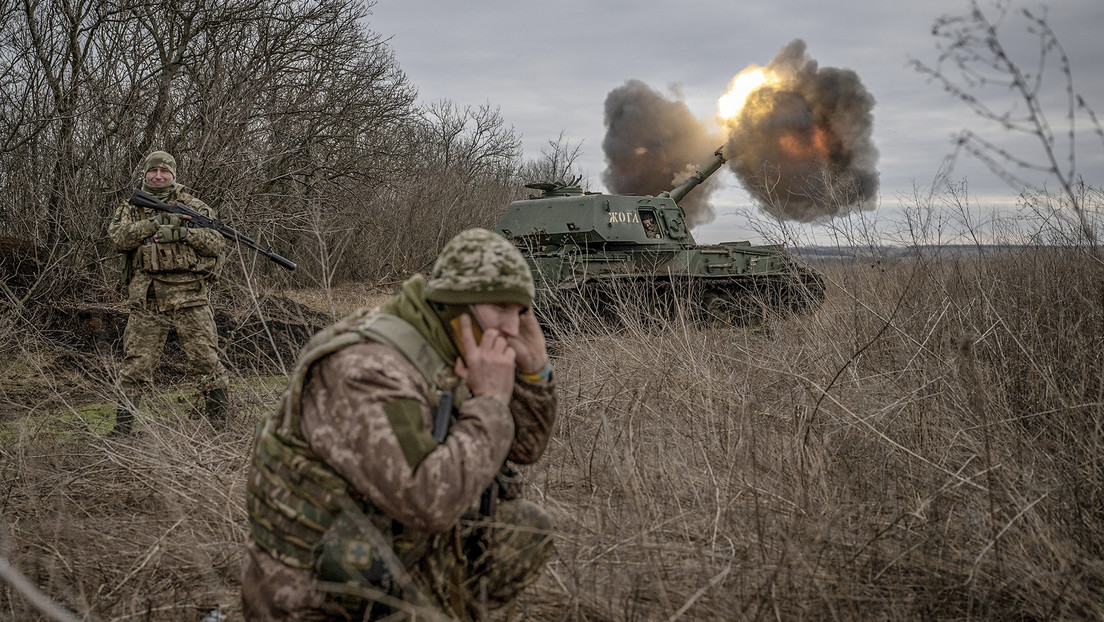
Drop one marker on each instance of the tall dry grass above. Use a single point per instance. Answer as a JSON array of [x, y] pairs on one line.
[[925, 446]]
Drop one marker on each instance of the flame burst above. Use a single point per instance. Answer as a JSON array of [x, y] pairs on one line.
[[796, 134], [799, 137], [804, 146], [801, 144], [742, 86]]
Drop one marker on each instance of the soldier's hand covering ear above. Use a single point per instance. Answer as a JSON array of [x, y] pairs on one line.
[[489, 365], [532, 353]]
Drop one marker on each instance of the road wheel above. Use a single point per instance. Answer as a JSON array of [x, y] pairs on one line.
[[722, 309]]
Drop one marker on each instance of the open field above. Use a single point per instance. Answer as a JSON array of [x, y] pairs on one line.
[[928, 445]]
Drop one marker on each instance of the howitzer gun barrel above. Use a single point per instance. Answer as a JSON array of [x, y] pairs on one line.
[[698, 177]]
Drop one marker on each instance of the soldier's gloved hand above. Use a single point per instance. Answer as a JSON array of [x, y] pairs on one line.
[[172, 220], [169, 233]]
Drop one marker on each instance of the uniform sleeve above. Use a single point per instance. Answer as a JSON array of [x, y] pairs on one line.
[[206, 242], [534, 408], [128, 228], [351, 403]]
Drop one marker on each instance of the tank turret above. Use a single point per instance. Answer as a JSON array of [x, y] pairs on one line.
[[598, 246]]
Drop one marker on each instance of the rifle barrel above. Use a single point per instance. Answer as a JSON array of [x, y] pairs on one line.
[[144, 199]]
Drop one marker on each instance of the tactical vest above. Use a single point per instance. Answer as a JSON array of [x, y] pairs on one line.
[[158, 258], [294, 496], [155, 258]]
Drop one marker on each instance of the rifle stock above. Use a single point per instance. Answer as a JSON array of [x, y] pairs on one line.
[[146, 200]]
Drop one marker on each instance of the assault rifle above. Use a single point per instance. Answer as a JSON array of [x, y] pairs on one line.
[[148, 201]]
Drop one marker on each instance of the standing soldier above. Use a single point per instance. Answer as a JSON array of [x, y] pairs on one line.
[[380, 485], [168, 267]]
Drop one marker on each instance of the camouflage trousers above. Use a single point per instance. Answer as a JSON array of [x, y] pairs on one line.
[[490, 562], [455, 573], [144, 339]]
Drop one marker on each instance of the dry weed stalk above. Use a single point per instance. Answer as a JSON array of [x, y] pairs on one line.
[[847, 464]]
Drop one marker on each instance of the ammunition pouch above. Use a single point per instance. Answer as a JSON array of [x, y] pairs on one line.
[[174, 257], [292, 498], [168, 220], [169, 233], [346, 556], [126, 269]]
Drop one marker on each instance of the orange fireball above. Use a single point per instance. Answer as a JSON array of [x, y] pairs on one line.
[[802, 146], [740, 88]]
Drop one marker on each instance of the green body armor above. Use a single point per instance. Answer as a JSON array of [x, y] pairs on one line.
[[295, 499], [154, 258]]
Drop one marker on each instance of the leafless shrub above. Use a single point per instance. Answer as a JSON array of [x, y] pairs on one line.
[[924, 446], [557, 161], [1021, 95]]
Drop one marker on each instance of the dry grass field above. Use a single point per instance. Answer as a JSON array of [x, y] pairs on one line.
[[927, 445]]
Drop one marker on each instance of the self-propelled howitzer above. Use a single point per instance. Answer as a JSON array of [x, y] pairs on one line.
[[605, 248]]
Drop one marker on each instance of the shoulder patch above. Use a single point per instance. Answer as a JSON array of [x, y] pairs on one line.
[[405, 417]]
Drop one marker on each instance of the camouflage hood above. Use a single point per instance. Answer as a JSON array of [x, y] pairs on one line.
[[479, 266], [159, 158]]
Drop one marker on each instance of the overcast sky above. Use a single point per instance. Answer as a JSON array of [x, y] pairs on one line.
[[549, 67]]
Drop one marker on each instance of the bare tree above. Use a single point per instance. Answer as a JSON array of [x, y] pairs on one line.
[[464, 162], [975, 65], [556, 162], [474, 143], [270, 106]]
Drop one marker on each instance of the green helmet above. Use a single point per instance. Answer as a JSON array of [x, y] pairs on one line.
[[159, 158], [480, 266]]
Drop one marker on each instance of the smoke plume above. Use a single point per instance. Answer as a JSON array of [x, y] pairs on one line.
[[802, 142], [652, 144]]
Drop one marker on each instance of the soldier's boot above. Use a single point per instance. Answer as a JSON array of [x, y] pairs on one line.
[[124, 413], [216, 402]]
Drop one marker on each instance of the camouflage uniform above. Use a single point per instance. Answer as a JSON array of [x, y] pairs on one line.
[[169, 289], [351, 443]]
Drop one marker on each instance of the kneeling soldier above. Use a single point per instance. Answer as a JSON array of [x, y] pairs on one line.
[[380, 484]]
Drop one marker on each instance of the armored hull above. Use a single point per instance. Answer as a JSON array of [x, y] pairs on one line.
[[606, 249]]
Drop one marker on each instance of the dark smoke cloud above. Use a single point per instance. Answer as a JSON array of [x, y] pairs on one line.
[[652, 144], [807, 108], [801, 145]]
